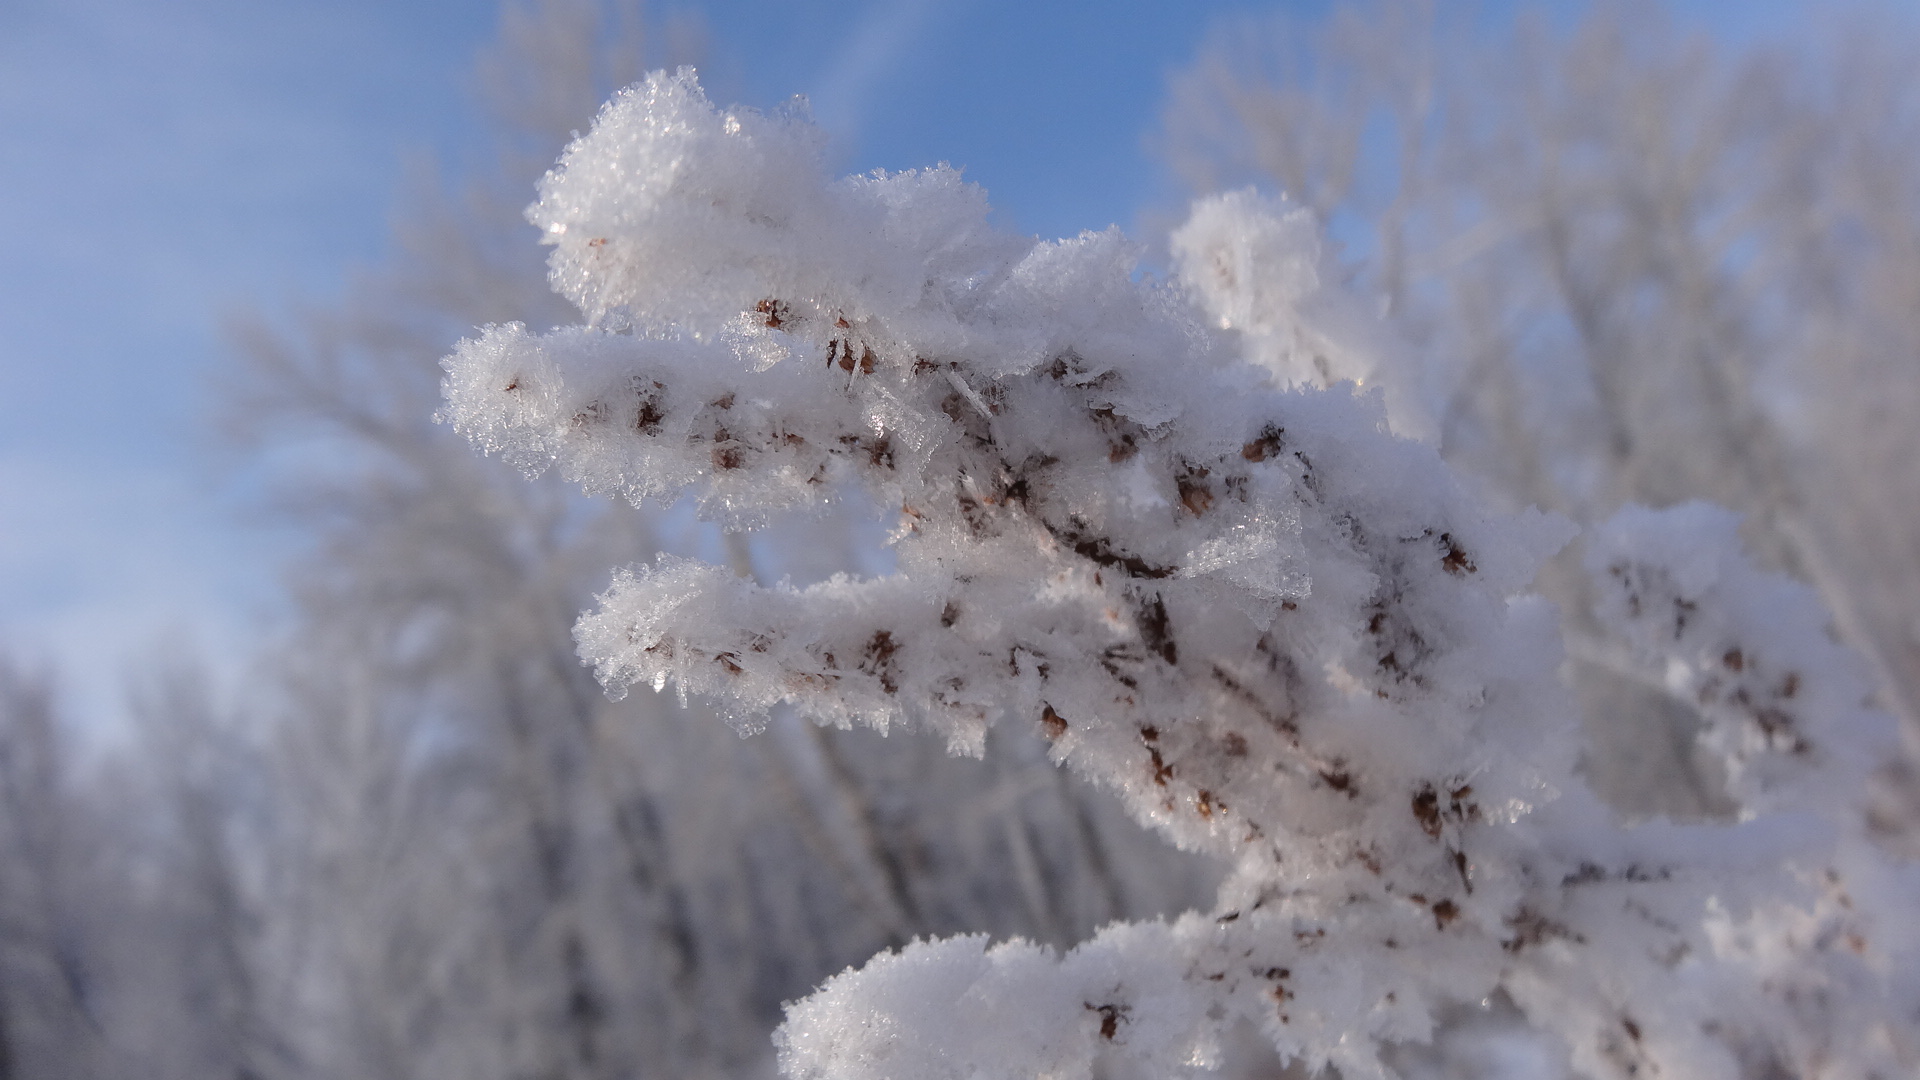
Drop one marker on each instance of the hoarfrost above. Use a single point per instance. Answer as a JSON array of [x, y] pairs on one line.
[[1282, 634]]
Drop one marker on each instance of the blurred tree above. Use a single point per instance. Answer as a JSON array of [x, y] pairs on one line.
[[50, 1023]]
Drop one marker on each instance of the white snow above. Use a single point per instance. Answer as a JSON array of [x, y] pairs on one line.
[[1285, 635]]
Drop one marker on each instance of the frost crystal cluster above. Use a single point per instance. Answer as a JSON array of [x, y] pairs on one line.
[[1280, 633]]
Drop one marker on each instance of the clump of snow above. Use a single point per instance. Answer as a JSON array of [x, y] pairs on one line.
[[1255, 266], [1282, 634], [1785, 705]]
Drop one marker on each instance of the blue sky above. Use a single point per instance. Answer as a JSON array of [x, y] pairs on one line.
[[163, 164]]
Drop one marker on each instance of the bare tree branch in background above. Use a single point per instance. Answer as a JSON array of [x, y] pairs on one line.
[[49, 1012]]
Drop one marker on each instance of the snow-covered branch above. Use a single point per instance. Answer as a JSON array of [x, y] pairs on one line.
[[1283, 634]]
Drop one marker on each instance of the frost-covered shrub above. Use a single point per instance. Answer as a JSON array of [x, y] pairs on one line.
[[1282, 634]]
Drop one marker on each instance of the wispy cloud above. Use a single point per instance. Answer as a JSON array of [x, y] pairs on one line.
[[886, 34]]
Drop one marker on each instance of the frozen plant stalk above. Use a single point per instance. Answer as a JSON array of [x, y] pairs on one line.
[[1283, 635]]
